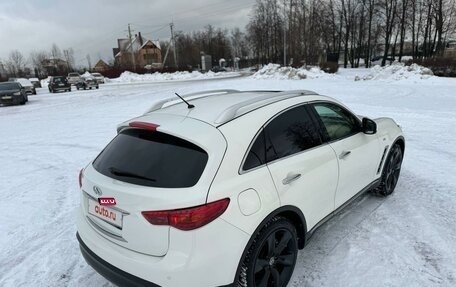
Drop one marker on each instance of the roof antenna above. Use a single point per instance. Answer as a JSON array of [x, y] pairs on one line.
[[189, 106]]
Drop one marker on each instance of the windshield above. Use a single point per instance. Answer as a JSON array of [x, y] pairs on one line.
[[152, 159], [9, 86]]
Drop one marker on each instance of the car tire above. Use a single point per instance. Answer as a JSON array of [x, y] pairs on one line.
[[271, 257], [391, 172], [97, 87], [23, 101]]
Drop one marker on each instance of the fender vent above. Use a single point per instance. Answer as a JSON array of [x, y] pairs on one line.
[[383, 158]]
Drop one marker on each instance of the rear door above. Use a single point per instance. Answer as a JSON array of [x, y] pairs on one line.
[[150, 170], [304, 171], [357, 153]]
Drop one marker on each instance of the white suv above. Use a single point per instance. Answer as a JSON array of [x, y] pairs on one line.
[[225, 189]]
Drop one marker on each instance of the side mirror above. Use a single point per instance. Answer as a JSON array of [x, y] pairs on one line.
[[369, 126]]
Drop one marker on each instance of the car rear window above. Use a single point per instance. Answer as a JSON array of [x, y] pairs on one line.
[[152, 159]]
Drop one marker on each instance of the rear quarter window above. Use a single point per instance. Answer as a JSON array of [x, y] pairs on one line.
[[152, 159]]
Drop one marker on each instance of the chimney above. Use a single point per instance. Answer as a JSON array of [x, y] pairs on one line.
[[140, 39]]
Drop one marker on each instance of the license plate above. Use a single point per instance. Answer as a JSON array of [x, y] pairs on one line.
[[60, 85], [107, 214], [7, 98]]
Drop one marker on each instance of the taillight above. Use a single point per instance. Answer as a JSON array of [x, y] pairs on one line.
[[188, 218], [81, 175]]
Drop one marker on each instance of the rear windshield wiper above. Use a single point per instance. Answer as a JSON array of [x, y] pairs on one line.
[[120, 172]]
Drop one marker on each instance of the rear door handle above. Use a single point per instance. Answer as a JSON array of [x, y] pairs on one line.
[[344, 154], [289, 179]]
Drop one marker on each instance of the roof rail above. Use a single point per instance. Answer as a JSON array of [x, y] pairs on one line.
[[269, 98], [198, 95]]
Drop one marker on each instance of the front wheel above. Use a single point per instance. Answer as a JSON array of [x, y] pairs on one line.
[[271, 258], [391, 172]]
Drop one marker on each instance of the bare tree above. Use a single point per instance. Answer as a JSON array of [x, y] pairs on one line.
[[69, 58], [16, 63], [37, 59], [56, 53]]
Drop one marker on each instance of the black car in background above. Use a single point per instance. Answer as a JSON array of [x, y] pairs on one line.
[[87, 83], [59, 84], [12, 93]]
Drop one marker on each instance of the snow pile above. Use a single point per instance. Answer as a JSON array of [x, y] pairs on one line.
[[275, 71], [45, 82], [87, 75], [129, 77], [396, 71]]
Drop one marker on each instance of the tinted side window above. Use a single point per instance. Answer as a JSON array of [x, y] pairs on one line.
[[290, 132], [338, 122], [152, 159], [257, 153]]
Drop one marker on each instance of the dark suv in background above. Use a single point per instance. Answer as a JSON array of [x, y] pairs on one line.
[[12, 93], [59, 84]]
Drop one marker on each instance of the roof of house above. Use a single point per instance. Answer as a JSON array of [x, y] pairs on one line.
[[138, 43], [101, 63]]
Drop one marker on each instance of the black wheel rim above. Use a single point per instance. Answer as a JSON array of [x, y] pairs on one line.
[[394, 169], [275, 261]]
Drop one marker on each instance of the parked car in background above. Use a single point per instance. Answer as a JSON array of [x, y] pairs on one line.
[[59, 84], [87, 83], [243, 182], [36, 82], [28, 86], [12, 93], [74, 78], [217, 69], [99, 77]]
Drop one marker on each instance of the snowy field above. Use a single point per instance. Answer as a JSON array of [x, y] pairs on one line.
[[407, 239]]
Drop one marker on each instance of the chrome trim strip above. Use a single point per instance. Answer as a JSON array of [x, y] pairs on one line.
[[242, 171], [104, 231]]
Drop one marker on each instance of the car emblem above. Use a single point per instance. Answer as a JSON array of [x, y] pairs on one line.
[[97, 190]]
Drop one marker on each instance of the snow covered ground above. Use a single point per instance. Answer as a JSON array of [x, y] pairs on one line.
[[407, 239]]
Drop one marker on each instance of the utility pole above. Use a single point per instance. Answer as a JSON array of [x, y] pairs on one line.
[[89, 62], [131, 48], [171, 26]]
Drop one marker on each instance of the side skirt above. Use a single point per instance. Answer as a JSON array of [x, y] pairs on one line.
[[372, 185]]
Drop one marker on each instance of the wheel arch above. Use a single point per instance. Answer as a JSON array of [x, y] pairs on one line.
[[401, 142], [290, 212]]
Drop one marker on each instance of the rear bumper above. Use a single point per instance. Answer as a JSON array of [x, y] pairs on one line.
[[61, 88], [205, 257], [15, 100], [110, 272]]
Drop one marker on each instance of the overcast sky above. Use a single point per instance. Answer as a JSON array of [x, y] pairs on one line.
[[92, 26]]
